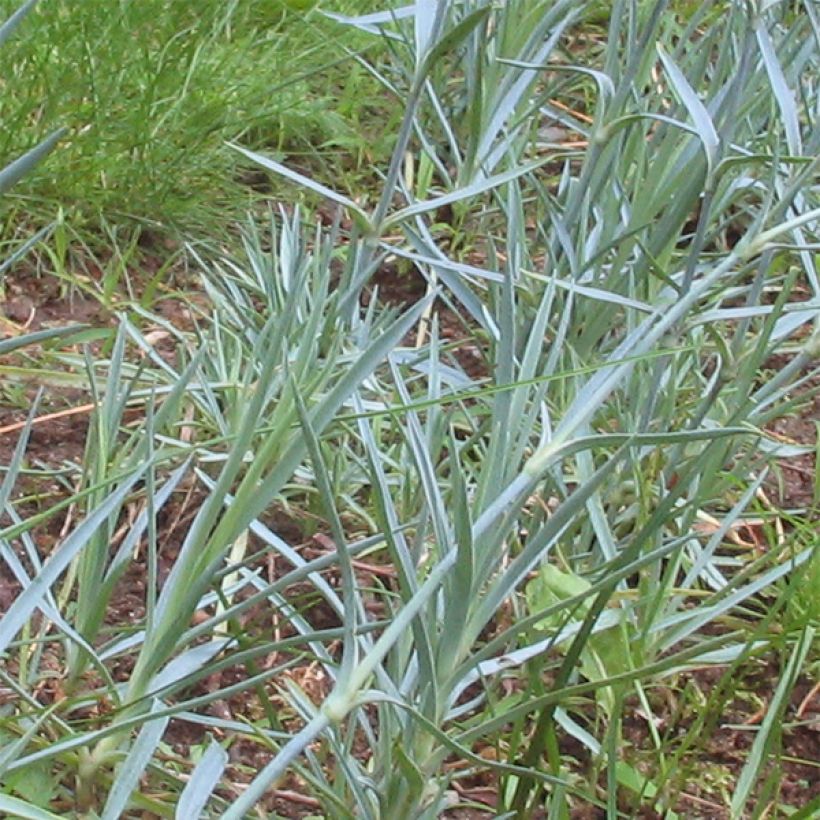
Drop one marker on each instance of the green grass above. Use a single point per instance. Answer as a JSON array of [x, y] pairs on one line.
[[540, 549], [150, 92]]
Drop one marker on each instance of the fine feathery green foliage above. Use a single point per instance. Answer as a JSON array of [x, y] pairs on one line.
[[626, 233], [150, 91]]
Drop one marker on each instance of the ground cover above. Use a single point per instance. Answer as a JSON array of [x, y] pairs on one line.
[[490, 490], [148, 95]]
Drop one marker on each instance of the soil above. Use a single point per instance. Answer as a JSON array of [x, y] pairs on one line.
[[700, 786]]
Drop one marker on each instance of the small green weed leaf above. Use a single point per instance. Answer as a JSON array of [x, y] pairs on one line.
[[633, 780], [13, 746], [810, 811], [32, 783], [804, 602], [551, 586]]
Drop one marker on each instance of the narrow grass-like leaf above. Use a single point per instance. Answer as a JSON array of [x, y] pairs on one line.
[[16, 461], [14, 749], [468, 191], [38, 336], [32, 596], [454, 37], [762, 746], [692, 621], [373, 23], [306, 182], [807, 812], [608, 411], [19, 252], [276, 768], [15, 807], [187, 663], [131, 769], [10, 26], [202, 783], [349, 596], [17, 169], [323, 412], [780, 87], [424, 20], [700, 116]]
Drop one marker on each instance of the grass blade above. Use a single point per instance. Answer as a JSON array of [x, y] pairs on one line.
[[204, 779], [766, 737], [697, 110], [32, 596], [10, 26], [17, 169], [14, 807], [131, 769]]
